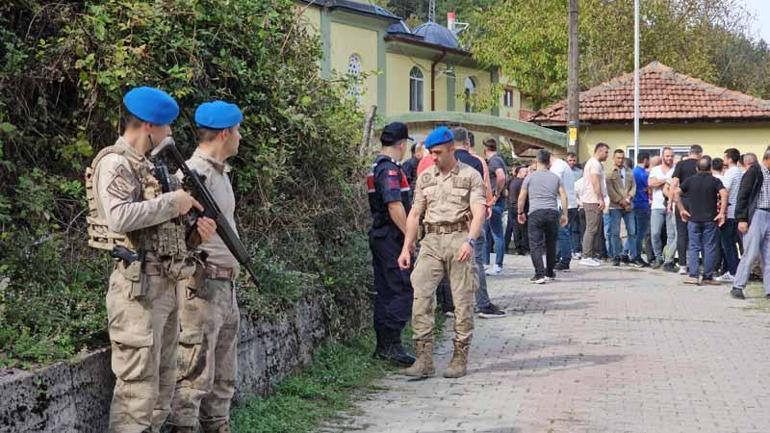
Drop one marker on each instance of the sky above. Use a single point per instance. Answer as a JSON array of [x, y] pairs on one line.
[[761, 11]]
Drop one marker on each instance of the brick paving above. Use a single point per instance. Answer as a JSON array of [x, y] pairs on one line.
[[597, 350]]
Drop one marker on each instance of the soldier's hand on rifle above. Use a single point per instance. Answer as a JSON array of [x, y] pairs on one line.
[[185, 202], [206, 228]]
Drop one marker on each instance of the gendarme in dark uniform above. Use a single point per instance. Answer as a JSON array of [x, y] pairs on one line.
[[387, 185]]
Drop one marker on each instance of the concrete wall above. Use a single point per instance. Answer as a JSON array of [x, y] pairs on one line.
[[715, 138], [74, 396]]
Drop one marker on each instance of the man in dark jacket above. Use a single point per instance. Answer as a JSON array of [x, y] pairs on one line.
[[514, 229], [752, 211]]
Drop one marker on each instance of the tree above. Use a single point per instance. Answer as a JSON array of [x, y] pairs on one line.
[[529, 41]]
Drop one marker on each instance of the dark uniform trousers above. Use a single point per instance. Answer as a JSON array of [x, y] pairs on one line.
[[393, 301]]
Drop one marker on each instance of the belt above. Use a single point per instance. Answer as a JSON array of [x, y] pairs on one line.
[[214, 272], [443, 229]]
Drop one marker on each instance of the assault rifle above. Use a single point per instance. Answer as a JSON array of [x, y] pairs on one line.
[[194, 183]]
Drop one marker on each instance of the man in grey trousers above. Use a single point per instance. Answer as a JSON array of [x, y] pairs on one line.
[[753, 205]]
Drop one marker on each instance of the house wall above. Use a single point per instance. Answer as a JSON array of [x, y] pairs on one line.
[[397, 71], [715, 138], [347, 40]]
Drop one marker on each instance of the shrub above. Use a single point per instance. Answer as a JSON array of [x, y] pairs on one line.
[[64, 66]]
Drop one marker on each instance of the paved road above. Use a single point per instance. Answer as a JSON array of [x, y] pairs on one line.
[[598, 350]]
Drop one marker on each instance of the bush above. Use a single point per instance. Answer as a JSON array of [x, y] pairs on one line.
[[64, 67]]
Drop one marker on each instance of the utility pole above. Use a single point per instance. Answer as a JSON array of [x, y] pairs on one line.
[[573, 84], [637, 84]]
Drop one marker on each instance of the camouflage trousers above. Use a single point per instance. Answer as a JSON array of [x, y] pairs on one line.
[[438, 255], [143, 328], [207, 355]]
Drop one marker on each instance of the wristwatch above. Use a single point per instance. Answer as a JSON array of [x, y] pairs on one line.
[[471, 241]]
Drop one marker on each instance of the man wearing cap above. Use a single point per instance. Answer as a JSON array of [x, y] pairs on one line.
[[208, 309], [451, 196], [390, 198], [128, 210]]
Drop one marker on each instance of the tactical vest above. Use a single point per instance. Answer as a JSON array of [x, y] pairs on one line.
[[166, 239]]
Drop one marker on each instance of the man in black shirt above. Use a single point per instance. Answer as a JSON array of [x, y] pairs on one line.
[[704, 211], [513, 229], [684, 170], [484, 306], [410, 166]]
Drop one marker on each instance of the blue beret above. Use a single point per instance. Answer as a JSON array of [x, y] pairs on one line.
[[151, 105], [218, 115], [440, 135]]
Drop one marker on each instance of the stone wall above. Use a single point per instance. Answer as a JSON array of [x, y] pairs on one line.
[[74, 396]]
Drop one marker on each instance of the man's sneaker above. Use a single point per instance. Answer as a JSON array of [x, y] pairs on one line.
[[691, 280], [589, 261], [710, 282], [640, 263], [616, 261], [656, 264], [625, 259], [491, 312], [449, 314], [727, 277], [577, 256], [737, 293], [683, 270], [561, 266], [549, 278], [537, 280], [670, 267], [494, 270]]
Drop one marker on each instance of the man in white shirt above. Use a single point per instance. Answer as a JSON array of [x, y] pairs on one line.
[[662, 213], [593, 203], [564, 246], [728, 233]]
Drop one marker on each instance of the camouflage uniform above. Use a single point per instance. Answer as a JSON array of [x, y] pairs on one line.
[[209, 317], [128, 209]]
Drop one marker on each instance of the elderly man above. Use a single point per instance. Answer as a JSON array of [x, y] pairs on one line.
[[752, 211]]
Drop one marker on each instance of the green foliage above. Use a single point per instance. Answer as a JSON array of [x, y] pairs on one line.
[[64, 66], [303, 401], [529, 40]]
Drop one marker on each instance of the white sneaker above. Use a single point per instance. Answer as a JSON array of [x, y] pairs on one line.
[[494, 270], [590, 262], [449, 314], [536, 280], [577, 256], [683, 270], [725, 278]]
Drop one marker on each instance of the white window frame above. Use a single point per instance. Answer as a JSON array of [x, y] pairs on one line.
[[416, 89]]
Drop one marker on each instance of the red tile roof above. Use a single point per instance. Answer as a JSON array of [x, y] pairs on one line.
[[666, 96]]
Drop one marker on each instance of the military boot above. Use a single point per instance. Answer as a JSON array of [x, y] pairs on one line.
[[458, 366], [423, 366]]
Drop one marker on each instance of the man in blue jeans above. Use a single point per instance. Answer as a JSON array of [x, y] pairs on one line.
[[706, 211], [641, 206], [621, 189], [564, 246], [494, 225]]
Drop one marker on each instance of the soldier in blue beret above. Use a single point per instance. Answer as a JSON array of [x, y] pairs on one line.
[[390, 198], [127, 215], [208, 309], [451, 197]]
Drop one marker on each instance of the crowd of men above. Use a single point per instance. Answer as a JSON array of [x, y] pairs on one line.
[[701, 217], [441, 218]]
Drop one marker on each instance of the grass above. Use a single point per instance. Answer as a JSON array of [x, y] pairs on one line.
[[301, 403]]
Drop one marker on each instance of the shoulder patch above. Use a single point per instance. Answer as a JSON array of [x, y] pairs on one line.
[[123, 185], [425, 177]]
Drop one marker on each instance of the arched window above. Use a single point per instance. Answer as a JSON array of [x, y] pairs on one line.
[[354, 71], [416, 83], [470, 89]]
